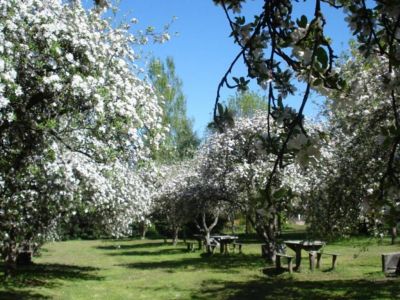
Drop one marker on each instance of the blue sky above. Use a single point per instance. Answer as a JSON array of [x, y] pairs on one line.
[[203, 50]]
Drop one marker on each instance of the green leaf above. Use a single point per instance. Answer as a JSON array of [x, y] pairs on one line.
[[279, 193], [317, 82], [302, 22], [51, 155], [322, 57], [240, 20]]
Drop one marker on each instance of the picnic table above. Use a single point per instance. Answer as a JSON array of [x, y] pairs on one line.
[[224, 241], [391, 263], [297, 246]]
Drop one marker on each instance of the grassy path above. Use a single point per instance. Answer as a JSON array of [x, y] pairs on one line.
[[150, 269]]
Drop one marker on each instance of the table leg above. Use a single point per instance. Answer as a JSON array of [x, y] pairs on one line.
[[298, 258], [312, 255], [221, 247]]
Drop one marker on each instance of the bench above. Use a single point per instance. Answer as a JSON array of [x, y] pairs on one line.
[[190, 247], [318, 256], [238, 245], [289, 259]]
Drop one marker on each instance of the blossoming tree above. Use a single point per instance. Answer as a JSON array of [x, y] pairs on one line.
[[73, 115], [279, 49], [361, 131], [174, 201], [240, 160]]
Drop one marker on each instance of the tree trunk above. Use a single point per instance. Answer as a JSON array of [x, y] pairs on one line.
[[271, 251], [269, 247], [143, 230], [10, 259], [208, 240], [233, 226], [266, 230], [207, 230], [394, 233], [247, 229], [175, 237], [184, 236], [271, 234], [279, 224]]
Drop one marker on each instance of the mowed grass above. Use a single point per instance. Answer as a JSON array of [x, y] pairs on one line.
[[150, 269]]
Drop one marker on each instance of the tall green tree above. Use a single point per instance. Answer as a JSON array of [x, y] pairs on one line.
[[246, 103], [181, 140]]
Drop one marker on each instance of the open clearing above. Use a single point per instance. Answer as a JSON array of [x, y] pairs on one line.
[[151, 269]]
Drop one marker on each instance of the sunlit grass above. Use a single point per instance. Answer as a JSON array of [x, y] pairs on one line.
[[150, 269]]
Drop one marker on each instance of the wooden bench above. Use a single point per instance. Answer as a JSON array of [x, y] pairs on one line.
[[238, 245], [289, 259], [190, 246], [318, 255]]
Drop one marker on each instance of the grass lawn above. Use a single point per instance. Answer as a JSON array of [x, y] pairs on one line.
[[150, 269]]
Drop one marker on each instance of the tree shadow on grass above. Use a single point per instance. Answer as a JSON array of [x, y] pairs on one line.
[[45, 275], [271, 271], [286, 288], [115, 246], [20, 295], [173, 251], [217, 262]]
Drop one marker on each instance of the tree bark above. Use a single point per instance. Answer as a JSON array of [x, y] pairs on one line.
[[143, 230], [175, 236], [208, 229], [279, 224], [266, 230], [247, 229], [10, 259], [184, 236], [394, 233], [231, 221]]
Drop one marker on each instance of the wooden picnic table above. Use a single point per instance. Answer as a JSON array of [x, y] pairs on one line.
[[297, 246], [224, 241], [391, 263]]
